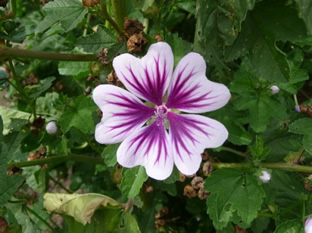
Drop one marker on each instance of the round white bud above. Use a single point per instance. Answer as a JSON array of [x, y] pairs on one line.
[[275, 89], [265, 177], [51, 127]]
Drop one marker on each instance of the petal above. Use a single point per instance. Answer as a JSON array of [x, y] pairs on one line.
[[191, 91], [149, 77], [122, 113], [149, 147], [190, 135]]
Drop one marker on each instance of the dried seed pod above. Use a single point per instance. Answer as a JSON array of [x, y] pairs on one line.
[[87, 91], [205, 155], [239, 230], [136, 43], [3, 225], [33, 156], [102, 56], [149, 189], [14, 170], [133, 26], [90, 3], [113, 79], [203, 194], [189, 191], [182, 177], [308, 183], [158, 38], [306, 109], [42, 151], [207, 168], [197, 182]]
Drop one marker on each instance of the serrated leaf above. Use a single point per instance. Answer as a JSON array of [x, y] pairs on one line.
[[233, 193], [8, 184], [268, 22], [103, 38], [77, 69], [68, 12], [301, 126], [305, 12], [79, 206], [109, 154], [292, 226], [132, 181], [79, 116]]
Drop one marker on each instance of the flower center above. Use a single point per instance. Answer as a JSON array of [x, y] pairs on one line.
[[161, 112]]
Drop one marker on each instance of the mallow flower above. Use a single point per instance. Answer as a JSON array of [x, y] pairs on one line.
[[147, 118]]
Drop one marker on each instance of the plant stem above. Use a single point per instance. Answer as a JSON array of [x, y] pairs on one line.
[[59, 159], [242, 154], [106, 16], [59, 184], [39, 217], [274, 166], [119, 8], [24, 53]]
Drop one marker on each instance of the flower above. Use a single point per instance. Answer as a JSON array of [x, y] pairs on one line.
[[275, 89], [153, 133], [265, 177], [51, 127], [308, 225]]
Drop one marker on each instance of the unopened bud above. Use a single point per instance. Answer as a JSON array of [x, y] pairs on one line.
[[275, 89], [51, 127], [308, 225], [265, 177], [297, 108]]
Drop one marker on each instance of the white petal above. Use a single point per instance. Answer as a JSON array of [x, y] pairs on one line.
[[149, 77], [122, 113], [149, 147], [191, 91], [190, 135]]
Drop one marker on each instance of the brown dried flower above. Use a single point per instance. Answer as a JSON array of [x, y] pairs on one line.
[[136, 43], [189, 191], [90, 3], [197, 182], [133, 26]]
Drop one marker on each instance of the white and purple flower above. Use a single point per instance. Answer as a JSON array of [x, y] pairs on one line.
[[154, 134]]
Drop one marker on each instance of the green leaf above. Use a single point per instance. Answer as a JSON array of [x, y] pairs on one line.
[[93, 43], [301, 126], [79, 116], [79, 206], [305, 12], [233, 194], [132, 181], [237, 134], [109, 154], [130, 224], [268, 22], [259, 151], [116, 49], [8, 184], [44, 85], [218, 24], [77, 69], [4, 78], [68, 12], [292, 226]]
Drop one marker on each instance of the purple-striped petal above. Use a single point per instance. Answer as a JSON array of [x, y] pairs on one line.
[[190, 135], [149, 147], [122, 113], [149, 77], [191, 91]]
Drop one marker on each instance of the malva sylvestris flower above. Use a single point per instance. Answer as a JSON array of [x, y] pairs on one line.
[[147, 118]]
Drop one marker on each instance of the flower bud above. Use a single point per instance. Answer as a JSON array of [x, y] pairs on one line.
[[297, 108], [308, 225], [275, 89], [51, 127], [265, 177]]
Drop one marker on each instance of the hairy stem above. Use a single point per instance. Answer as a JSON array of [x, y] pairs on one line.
[[242, 154], [24, 53], [59, 159], [109, 19]]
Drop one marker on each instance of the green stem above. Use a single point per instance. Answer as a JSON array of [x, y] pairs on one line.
[[59, 159], [85, 30], [119, 8], [274, 166], [39, 217], [60, 184], [24, 53], [242, 154], [106, 16]]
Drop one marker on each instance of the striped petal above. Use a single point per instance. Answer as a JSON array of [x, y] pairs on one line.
[[191, 91], [149, 77], [190, 135], [122, 113], [149, 147]]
